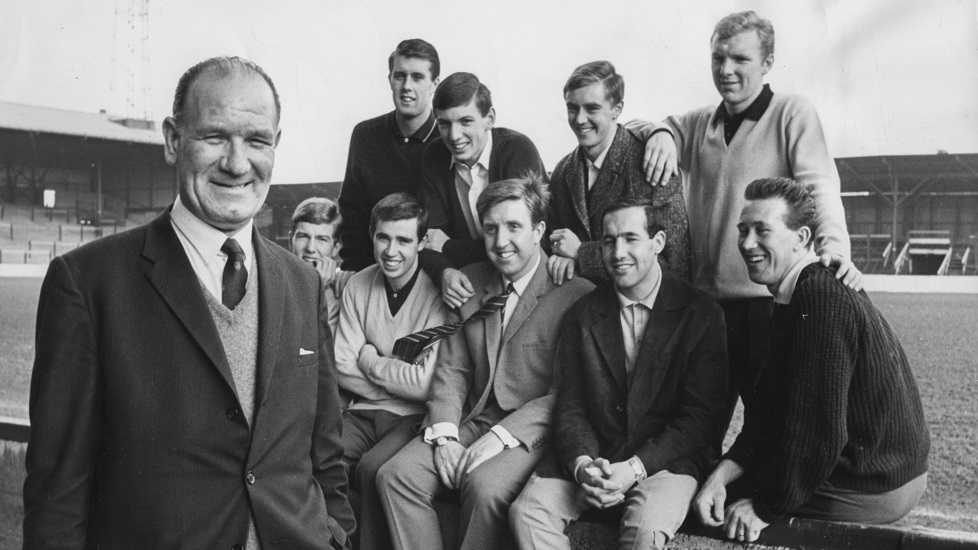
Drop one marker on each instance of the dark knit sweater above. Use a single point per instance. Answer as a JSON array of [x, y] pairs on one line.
[[381, 161], [836, 403]]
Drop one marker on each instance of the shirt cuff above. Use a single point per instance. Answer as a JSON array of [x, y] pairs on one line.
[[636, 464], [578, 462], [507, 438], [441, 429]]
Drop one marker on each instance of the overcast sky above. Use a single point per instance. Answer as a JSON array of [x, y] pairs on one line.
[[888, 77]]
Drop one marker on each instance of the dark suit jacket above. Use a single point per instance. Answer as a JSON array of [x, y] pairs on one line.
[[512, 155], [516, 365], [668, 414], [621, 175], [138, 440]]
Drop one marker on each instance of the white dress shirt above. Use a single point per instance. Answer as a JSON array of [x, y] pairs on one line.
[[470, 183], [202, 243], [634, 316], [594, 168]]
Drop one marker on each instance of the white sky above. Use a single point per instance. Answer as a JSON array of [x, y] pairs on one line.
[[887, 76]]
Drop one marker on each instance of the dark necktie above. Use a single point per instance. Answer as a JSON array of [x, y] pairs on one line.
[[409, 347], [235, 279]]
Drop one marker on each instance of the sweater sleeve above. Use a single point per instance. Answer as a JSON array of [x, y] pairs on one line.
[[812, 165], [824, 351], [350, 339]]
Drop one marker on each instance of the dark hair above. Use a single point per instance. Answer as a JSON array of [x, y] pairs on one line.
[[736, 23], [226, 66], [417, 48], [598, 71], [317, 211], [801, 205], [652, 218], [458, 89], [529, 188], [399, 206]]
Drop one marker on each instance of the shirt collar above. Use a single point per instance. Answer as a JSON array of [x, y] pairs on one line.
[[208, 240], [484, 157], [422, 134], [649, 300], [754, 112], [519, 285], [786, 287]]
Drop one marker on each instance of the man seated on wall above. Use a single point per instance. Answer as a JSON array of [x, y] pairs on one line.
[[641, 381], [388, 299], [315, 238], [834, 428], [471, 154], [489, 416], [605, 167]]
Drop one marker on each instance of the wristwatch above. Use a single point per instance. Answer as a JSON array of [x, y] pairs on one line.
[[443, 440]]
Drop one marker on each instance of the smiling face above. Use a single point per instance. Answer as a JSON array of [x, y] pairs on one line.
[[769, 247], [396, 248], [592, 117], [739, 68], [465, 131], [630, 253], [224, 147], [314, 241], [512, 239], [412, 86]]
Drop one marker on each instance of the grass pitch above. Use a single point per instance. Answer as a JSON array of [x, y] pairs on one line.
[[938, 332]]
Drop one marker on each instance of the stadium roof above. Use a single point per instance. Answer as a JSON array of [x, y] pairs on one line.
[[30, 118], [940, 173]]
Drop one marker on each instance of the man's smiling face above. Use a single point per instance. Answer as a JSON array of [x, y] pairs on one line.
[[224, 147]]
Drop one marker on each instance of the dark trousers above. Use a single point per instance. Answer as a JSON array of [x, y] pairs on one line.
[[748, 344]]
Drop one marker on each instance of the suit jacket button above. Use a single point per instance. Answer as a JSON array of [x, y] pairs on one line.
[[250, 478], [620, 408], [233, 413]]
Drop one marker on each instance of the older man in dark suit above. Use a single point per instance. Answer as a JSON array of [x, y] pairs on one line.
[[605, 167], [183, 392], [641, 379], [489, 417]]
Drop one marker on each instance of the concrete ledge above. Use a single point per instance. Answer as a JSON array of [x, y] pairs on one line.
[[23, 270], [922, 284]]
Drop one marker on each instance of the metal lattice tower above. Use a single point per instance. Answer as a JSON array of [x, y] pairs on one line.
[[130, 76]]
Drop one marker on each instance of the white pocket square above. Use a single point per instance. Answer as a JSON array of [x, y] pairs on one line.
[[304, 351]]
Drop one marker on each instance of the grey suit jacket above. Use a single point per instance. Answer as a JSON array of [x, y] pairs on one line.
[[517, 365]]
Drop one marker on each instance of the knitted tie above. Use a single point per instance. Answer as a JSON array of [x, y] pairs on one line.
[[235, 278], [409, 347]]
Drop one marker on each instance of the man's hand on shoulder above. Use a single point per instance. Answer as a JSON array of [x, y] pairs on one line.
[[565, 242], [846, 271], [456, 289], [561, 269], [660, 159]]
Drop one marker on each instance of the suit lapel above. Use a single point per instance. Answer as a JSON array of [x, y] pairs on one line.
[[651, 366], [490, 325], [174, 279], [578, 190], [271, 305], [537, 287], [608, 338], [608, 186]]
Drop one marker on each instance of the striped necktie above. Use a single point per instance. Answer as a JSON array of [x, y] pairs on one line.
[[235, 279], [410, 347]]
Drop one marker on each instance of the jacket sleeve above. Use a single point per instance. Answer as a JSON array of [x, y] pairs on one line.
[[573, 434], [452, 379], [327, 445], [813, 166], [681, 128], [702, 395], [65, 408]]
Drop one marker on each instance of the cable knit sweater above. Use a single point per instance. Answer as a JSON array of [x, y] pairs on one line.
[[837, 402]]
